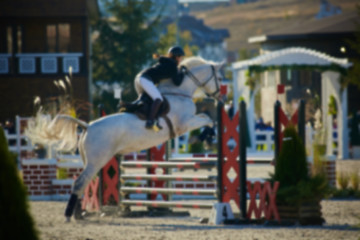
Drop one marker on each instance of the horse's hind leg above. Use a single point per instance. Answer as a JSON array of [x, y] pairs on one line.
[[78, 188], [78, 210], [80, 183], [82, 148], [74, 202], [95, 156]]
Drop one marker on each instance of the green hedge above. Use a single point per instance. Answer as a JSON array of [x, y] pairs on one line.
[[15, 219]]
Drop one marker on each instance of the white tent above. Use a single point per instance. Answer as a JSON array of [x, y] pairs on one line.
[[306, 59]]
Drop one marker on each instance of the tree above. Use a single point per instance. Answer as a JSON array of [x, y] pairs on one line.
[[169, 39], [124, 44]]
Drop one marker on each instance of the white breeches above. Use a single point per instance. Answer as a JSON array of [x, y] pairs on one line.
[[144, 85]]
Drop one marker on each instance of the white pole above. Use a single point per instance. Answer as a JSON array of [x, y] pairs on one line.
[[176, 142], [344, 129]]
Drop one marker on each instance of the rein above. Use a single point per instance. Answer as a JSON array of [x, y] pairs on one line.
[[177, 94], [202, 85]]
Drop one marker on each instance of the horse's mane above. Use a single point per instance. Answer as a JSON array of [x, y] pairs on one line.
[[192, 62]]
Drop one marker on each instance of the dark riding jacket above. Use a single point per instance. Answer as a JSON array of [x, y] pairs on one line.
[[163, 69]]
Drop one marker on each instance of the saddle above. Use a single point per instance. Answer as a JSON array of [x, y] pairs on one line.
[[142, 107]]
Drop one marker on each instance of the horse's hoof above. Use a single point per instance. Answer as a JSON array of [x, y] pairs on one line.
[[67, 219], [80, 215]]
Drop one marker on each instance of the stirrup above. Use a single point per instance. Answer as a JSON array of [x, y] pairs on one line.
[[153, 124], [156, 126]]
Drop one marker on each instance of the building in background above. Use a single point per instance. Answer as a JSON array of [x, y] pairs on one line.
[[39, 41], [306, 62], [327, 35]]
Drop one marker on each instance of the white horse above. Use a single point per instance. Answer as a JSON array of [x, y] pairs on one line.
[[123, 133]]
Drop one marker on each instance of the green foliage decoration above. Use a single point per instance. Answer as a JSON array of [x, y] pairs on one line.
[[252, 79], [332, 67], [15, 219], [332, 106]]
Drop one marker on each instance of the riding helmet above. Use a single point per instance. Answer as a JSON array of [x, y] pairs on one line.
[[176, 51]]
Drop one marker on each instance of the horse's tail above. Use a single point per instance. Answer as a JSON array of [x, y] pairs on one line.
[[60, 131]]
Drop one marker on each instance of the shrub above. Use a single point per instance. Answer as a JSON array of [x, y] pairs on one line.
[[15, 219], [296, 186], [355, 180], [343, 180], [315, 188], [318, 166], [291, 165]]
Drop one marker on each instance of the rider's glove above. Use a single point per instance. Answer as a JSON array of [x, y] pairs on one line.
[[183, 69]]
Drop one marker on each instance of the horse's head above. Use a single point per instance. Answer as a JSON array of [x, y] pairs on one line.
[[204, 74]]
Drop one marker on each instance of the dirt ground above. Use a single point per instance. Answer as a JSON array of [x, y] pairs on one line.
[[341, 217]]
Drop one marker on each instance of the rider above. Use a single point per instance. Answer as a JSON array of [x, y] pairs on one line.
[[166, 67]]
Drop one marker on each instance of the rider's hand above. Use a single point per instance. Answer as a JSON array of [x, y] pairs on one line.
[[183, 69]]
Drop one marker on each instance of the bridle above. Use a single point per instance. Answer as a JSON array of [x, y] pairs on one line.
[[202, 85]]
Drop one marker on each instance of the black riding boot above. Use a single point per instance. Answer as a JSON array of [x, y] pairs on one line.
[[152, 123]]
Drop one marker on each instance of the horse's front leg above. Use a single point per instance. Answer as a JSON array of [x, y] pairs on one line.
[[197, 121]]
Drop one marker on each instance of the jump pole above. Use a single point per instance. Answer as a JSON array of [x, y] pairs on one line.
[[277, 129], [242, 162], [220, 107], [242, 191]]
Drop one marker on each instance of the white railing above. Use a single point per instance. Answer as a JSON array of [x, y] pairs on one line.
[[264, 141], [182, 143], [48, 62], [18, 142]]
